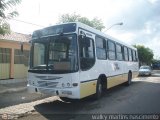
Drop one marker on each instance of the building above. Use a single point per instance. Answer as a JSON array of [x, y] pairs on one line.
[[13, 61]]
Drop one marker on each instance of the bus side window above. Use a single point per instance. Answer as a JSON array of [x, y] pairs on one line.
[[134, 55], [111, 50], [125, 54], [130, 54], [119, 52], [86, 51], [101, 48]]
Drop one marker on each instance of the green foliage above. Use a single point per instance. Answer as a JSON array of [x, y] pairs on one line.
[[95, 23], [155, 61], [4, 27], [5, 6], [68, 18], [145, 54]]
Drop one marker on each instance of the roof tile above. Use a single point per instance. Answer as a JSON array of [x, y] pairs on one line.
[[16, 37]]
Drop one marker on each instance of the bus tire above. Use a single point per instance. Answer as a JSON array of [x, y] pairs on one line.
[[68, 100], [129, 79], [98, 90]]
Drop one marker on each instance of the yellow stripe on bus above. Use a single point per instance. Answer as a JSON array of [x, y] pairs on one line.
[[115, 80], [87, 88]]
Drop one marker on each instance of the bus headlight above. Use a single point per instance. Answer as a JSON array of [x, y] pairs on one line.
[[68, 84]]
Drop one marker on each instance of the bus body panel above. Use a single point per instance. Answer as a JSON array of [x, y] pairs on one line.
[[52, 84]]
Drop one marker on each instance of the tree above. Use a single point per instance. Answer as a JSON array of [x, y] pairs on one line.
[[156, 64], [5, 15], [95, 23], [145, 54]]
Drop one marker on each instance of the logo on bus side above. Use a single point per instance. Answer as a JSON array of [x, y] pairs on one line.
[[116, 66]]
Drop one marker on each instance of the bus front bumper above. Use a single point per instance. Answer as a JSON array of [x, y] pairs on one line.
[[61, 92]]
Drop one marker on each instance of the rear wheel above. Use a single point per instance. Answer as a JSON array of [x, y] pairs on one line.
[[129, 78], [98, 90]]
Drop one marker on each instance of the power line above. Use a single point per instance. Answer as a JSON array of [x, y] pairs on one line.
[[27, 22]]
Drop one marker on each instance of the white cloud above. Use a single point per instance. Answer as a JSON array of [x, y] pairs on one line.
[[155, 45], [153, 1], [126, 37], [140, 17]]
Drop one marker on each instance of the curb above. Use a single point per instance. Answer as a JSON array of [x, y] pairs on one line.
[[155, 75], [12, 81], [13, 90]]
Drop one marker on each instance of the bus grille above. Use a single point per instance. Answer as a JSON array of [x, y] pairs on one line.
[[47, 84], [47, 91]]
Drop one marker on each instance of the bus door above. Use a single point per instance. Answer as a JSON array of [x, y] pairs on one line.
[[87, 61]]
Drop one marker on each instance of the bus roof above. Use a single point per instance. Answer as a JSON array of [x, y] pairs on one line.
[[93, 30], [98, 32]]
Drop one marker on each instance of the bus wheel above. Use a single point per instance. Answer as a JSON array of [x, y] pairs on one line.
[[68, 100], [98, 90], [129, 78]]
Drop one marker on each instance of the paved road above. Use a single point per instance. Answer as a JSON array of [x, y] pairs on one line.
[[14, 98], [142, 97]]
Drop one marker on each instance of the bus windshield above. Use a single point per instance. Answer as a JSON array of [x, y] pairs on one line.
[[55, 53]]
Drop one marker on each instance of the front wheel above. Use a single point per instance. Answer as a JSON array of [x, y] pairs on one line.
[[98, 90]]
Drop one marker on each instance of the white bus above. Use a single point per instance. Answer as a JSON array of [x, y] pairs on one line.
[[74, 60]]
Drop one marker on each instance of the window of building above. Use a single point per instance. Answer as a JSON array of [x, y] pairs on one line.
[[111, 50], [5, 55], [21, 57], [101, 48], [119, 52], [18, 56], [26, 57]]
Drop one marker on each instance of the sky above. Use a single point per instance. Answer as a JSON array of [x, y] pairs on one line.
[[140, 18]]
